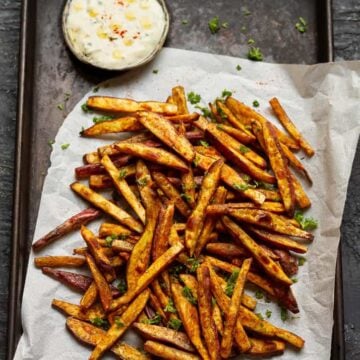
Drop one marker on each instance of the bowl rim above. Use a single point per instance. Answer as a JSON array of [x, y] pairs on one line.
[[141, 62]]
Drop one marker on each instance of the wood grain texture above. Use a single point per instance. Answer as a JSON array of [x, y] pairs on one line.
[[195, 35]]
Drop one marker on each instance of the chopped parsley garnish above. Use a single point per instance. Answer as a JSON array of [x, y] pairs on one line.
[[284, 314], [243, 28], [123, 236], [268, 313], [64, 146], [256, 103], [259, 315], [259, 295], [242, 187], [155, 71], [193, 97], [214, 25], [306, 223], [122, 174], [230, 284], [238, 67], [51, 143], [246, 177], [205, 111], [174, 324], [251, 41], [255, 54], [143, 181], [100, 119], [244, 149], [60, 107], [301, 261], [67, 96], [221, 112], [194, 263], [188, 295], [213, 301], [246, 12], [85, 108], [101, 323], [186, 197], [204, 143], [119, 323], [170, 307], [96, 89], [264, 185], [155, 320], [301, 25], [294, 280], [226, 93], [225, 25], [176, 269], [196, 160], [184, 22], [121, 286], [109, 240]]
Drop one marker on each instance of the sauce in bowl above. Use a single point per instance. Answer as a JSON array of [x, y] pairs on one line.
[[115, 34]]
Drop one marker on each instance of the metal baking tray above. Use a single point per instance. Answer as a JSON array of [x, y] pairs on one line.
[[47, 71]]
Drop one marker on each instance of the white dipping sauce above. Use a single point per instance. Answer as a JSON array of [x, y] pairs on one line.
[[114, 34]]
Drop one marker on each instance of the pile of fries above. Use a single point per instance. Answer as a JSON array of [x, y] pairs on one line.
[[200, 208]]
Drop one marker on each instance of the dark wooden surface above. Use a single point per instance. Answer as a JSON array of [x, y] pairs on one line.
[[346, 31]]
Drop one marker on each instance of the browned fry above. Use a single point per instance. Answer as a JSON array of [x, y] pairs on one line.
[[257, 130], [195, 222], [151, 273], [107, 206], [231, 315], [270, 195], [122, 124], [118, 178], [167, 133], [66, 227], [232, 119], [91, 158], [295, 162], [76, 311], [156, 305], [220, 209], [121, 324], [91, 335], [95, 248], [216, 315], [266, 347], [239, 135], [158, 156], [163, 334], [179, 98], [167, 352], [89, 297], [270, 266], [101, 283], [210, 222], [100, 182], [280, 168], [205, 312], [188, 186], [300, 196], [171, 192], [116, 261], [59, 261], [183, 118], [112, 104], [279, 241], [288, 262], [190, 319], [290, 126], [190, 282], [252, 322], [227, 250], [248, 115], [230, 177], [108, 229], [268, 220]]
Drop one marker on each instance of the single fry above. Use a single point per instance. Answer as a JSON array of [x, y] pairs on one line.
[[205, 312], [89, 297], [107, 206], [91, 335], [216, 314], [167, 352], [112, 104], [76, 311], [266, 347], [190, 319], [167, 133], [290, 126], [59, 261], [118, 178], [73, 223], [179, 98], [163, 334], [221, 209], [188, 186], [300, 195], [227, 250], [121, 324], [101, 283], [280, 168], [108, 229], [195, 221], [158, 156]]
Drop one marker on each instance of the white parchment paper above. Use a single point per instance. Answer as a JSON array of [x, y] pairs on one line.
[[323, 101]]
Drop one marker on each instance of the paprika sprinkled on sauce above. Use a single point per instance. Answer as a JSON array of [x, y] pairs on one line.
[[114, 33]]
